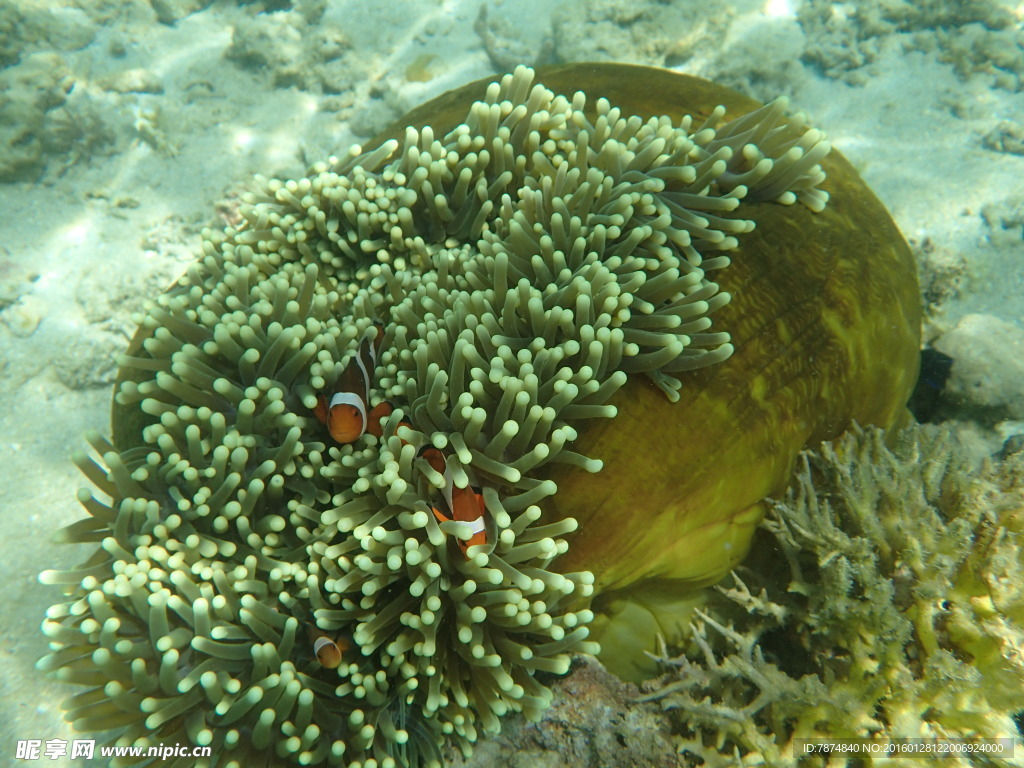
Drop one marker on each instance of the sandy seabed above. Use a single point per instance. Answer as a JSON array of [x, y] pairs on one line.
[[165, 124]]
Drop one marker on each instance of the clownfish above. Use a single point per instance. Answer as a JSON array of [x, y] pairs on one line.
[[346, 412], [328, 650], [465, 505]]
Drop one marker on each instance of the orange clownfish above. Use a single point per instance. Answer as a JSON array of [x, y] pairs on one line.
[[347, 413], [328, 650], [465, 505]]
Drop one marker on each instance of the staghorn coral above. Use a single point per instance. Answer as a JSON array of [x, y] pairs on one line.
[[513, 272], [882, 599]]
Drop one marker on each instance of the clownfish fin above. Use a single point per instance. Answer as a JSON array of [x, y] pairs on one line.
[[434, 458], [378, 413], [320, 409], [440, 517]]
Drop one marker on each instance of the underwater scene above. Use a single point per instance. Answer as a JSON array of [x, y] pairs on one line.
[[511, 383]]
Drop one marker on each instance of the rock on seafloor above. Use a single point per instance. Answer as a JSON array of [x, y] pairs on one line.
[[987, 377], [595, 721]]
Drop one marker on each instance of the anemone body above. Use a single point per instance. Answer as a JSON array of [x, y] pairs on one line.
[[825, 321]]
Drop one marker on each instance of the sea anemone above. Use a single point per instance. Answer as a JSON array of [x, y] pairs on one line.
[[505, 279]]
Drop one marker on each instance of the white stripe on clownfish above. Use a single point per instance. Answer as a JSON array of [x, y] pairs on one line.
[[476, 525], [465, 505], [366, 358]]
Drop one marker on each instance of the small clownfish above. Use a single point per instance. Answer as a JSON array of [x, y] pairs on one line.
[[346, 412], [465, 505], [328, 650]]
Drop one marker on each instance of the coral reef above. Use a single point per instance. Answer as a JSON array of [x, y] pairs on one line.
[[173, 11], [1006, 137], [295, 50], [29, 26], [1004, 220], [762, 58], [45, 120], [757, 54], [509, 44], [638, 32], [31, 92], [982, 36], [510, 275], [944, 271], [883, 600], [978, 49]]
